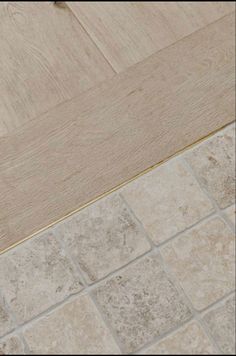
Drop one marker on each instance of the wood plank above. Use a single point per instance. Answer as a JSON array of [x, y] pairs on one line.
[[105, 136], [128, 32], [45, 58]]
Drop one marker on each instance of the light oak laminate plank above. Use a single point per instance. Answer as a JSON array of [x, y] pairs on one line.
[[46, 57], [105, 136], [128, 32]]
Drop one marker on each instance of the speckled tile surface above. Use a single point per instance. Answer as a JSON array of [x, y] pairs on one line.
[[188, 340], [221, 323], [35, 276], [12, 345], [103, 237], [148, 270], [167, 200], [203, 262], [6, 323], [75, 328], [230, 213], [214, 164], [142, 303]]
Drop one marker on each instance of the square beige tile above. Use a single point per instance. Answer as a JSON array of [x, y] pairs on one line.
[[202, 260], [74, 328], [221, 324], [141, 303], [11, 345], [214, 163], [188, 340], [167, 200], [230, 214], [103, 237], [36, 275], [6, 323]]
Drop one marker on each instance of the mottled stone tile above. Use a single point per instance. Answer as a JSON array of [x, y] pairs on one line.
[[74, 328], [167, 200], [230, 214], [6, 323], [103, 237], [11, 345], [188, 340], [214, 163], [36, 275], [141, 302], [202, 260], [221, 324]]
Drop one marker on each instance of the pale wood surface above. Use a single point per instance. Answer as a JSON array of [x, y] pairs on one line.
[[46, 57], [108, 134], [128, 32]]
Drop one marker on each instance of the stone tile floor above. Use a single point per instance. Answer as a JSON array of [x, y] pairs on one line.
[[148, 269]]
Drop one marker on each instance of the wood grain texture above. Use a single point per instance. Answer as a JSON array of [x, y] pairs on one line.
[[45, 58], [128, 32], [105, 136]]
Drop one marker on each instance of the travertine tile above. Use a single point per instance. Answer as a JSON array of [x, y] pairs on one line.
[[103, 237], [230, 214], [74, 328], [214, 163], [11, 345], [203, 261], [36, 275], [141, 303], [167, 200], [221, 324], [188, 340], [6, 323]]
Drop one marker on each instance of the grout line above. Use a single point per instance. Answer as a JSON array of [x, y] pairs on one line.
[[213, 306], [25, 344], [194, 312], [189, 228], [216, 304], [76, 266], [175, 236], [116, 272], [119, 186], [20, 336], [143, 230], [26, 324], [226, 219], [208, 334], [88, 291], [90, 288], [13, 322], [204, 189], [106, 322], [163, 336]]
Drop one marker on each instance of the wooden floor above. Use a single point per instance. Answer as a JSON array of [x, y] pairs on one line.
[[93, 93]]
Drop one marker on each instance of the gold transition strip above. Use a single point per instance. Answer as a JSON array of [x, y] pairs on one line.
[[115, 188]]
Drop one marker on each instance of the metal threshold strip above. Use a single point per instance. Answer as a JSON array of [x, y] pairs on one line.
[[113, 189]]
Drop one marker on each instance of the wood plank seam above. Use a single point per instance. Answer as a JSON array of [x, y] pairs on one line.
[[129, 32], [85, 30], [114, 131]]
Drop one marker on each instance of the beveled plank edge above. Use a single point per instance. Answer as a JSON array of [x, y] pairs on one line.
[[116, 70], [117, 187], [64, 4]]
